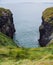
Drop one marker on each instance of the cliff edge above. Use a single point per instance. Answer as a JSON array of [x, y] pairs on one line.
[[6, 22], [46, 28]]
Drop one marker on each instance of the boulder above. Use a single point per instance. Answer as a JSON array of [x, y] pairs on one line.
[[6, 22]]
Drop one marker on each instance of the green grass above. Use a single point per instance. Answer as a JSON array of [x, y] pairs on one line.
[[10, 54], [21, 56], [4, 10], [48, 15], [6, 41]]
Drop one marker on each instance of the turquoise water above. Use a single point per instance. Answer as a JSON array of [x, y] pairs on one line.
[[27, 19]]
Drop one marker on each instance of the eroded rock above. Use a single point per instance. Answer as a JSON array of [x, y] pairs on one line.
[[6, 22], [46, 28]]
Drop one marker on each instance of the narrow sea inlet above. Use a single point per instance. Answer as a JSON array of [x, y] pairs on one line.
[[27, 19]]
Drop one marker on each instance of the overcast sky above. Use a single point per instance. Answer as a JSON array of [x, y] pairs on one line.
[[14, 1]]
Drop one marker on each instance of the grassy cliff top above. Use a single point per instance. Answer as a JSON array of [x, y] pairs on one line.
[[10, 54], [7, 11], [48, 15]]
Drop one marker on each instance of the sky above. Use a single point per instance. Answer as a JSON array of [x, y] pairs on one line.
[[14, 1]]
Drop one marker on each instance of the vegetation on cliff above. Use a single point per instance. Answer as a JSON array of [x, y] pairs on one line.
[[10, 54], [48, 15], [46, 28], [4, 10], [6, 22], [5, 41]]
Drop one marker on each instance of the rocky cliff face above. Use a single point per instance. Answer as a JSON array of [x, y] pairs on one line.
[[46, 28], [6, 22]]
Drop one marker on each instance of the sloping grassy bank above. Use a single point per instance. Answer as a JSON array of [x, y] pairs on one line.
[[10, 54]]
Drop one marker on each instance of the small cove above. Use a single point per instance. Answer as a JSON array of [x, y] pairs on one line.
[[27, 19]]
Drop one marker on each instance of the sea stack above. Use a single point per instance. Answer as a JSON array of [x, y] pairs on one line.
[[6, 22], [46, 28]]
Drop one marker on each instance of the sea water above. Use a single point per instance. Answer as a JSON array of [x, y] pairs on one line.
[[27, 19]]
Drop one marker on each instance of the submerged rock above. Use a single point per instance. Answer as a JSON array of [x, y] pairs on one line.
[[46, 28], [6, 22]]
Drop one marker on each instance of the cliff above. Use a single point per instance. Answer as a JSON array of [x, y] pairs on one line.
[[46, 28], [11, 54], [6, 22]]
